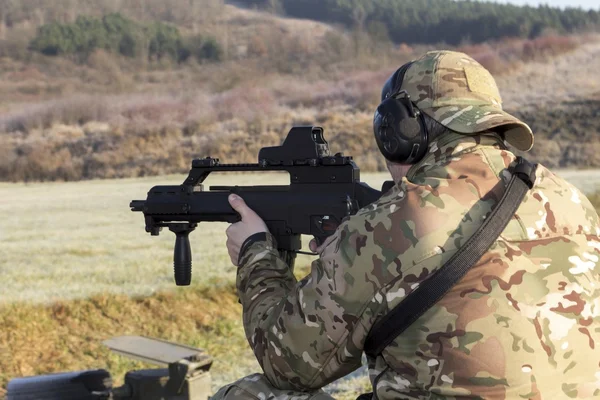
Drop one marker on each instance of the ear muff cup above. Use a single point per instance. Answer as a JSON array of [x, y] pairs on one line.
[[410, 127], [399, 126], [400, 130]]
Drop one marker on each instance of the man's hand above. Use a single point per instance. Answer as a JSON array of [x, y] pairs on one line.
[[237, 233], [314, 247]]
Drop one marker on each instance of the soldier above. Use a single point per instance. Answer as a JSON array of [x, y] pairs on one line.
[[523, 323]]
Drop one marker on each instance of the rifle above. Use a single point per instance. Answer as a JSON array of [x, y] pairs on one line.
[[186, 377], [323, 190]]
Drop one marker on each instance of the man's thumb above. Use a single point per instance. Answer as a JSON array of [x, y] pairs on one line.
[[238, 204]]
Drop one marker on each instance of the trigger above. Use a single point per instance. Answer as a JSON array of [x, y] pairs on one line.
[[328, 225], [323, 227]]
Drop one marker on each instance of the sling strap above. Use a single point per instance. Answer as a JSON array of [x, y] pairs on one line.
[[435, 287]]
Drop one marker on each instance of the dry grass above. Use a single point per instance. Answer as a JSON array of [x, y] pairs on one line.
[[67, 335], [162, 134], [510, 54], [114, 136], [114, 117], [84, 136]]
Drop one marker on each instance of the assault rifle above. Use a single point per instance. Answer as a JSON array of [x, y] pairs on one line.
[[323, 189]]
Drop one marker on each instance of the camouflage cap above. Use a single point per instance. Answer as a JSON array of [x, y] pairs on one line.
[[462, 95]]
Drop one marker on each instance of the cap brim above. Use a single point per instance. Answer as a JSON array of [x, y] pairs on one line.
[[473, 119]]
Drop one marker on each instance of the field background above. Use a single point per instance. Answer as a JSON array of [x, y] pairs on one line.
[[89, 123], [78, 268], [71, 240], [78, 108], [88, 257]]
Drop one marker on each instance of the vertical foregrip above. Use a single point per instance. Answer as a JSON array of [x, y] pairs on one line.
[[182, 259]]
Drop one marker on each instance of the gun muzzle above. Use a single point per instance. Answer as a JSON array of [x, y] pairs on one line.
[[137, 205]]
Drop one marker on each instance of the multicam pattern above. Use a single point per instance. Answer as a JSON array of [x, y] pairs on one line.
[[524, 323], [257, 387], [459, 93]]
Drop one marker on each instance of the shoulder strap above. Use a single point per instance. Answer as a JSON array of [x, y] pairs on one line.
[[435, 287]]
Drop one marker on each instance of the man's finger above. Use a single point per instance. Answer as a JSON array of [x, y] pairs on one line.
[[232, 248], [314, 247], [239, 205]]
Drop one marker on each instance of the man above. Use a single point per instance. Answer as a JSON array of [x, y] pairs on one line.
[[523, 323]]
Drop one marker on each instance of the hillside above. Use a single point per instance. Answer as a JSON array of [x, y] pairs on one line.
[[434, 21], [108, 115], [561, 101]]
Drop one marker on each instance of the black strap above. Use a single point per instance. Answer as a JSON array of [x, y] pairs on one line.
[[434, 288]]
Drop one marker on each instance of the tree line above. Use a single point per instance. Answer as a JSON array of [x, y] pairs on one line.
[[435, 21]]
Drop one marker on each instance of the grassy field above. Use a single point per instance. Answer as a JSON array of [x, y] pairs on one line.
[[78, 268], [70, 240], [77, 264]]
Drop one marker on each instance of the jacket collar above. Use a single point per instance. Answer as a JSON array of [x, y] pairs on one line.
[[449, 146]]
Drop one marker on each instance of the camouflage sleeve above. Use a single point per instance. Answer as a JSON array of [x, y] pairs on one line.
[[308, 333]]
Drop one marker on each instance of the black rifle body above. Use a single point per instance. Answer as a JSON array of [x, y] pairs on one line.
[[323, 190]]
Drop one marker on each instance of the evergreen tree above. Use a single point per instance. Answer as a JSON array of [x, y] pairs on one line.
[[434, 21]]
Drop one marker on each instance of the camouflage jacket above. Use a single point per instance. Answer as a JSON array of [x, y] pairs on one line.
[[524, 323]]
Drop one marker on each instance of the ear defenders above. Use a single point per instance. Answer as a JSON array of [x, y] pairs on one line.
[[398, 125]]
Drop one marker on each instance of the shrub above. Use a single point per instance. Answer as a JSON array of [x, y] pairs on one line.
[[84, 36], [53, 39], [210, 50], [547, 46], [120, 35], [123, 35], [202, 48], [165, 41]]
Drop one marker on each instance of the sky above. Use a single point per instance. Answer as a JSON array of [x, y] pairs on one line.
[[585, 4]]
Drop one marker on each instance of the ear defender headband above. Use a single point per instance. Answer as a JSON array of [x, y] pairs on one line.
[[398, 125]]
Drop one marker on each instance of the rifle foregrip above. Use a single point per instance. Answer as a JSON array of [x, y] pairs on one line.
[[182, 263]]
